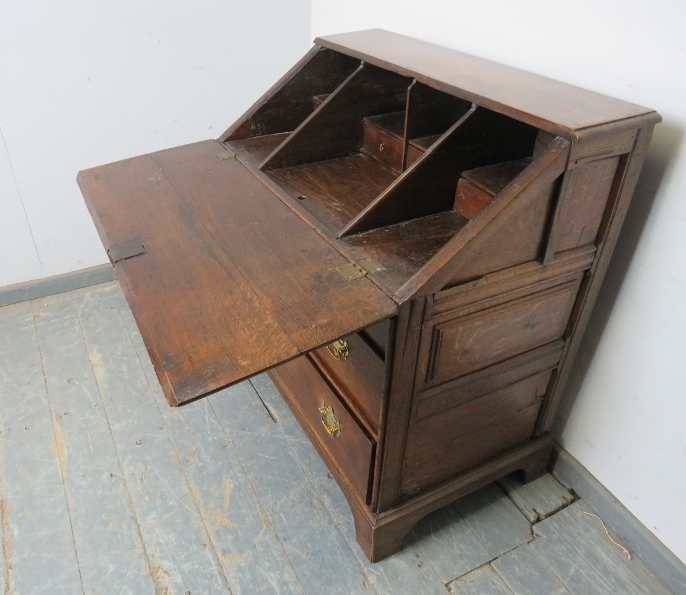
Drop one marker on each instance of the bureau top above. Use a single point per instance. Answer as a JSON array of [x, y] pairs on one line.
[[540, 101]]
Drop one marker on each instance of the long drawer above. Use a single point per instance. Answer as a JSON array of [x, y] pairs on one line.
[[328, 421], [358, 373]]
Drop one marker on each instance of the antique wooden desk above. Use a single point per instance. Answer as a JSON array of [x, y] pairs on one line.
[[409, 238]]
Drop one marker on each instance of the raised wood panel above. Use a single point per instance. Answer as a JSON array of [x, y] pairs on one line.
[[306, 391], [448, 443], [476, 341], [582, 202]]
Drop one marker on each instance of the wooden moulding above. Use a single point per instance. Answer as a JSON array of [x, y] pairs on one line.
[[462, 390], [510, 283], [381, 535], [284, 107], [480, 137], [334, 129]]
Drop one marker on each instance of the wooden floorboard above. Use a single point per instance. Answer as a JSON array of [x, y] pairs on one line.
[[449, 544], [102, 518], [38, 544], [406, 572], [105, 489], [493, 517], [249, 550], [525, 573], [538, 499], [574, 545], [182, 557], [482, 581]]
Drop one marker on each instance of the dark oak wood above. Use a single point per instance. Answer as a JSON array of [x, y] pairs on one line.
[[335, 190], [175, 202], [359, 375], [351, 451], [294, 98], [447, 443], [450, 218], [479, 138], [554, 106], [477, 187], [467, 344], [383, 139], [335, 129]]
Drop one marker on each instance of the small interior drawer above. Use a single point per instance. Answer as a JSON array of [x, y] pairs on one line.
[[357, 372], [326, 419]]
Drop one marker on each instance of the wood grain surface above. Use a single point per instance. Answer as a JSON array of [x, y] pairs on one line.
[[231, 282]]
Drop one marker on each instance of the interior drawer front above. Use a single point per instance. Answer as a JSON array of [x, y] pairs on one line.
[[357, 372], [344, 443]]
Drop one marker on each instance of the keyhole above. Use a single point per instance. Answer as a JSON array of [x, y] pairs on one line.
[[381, 147]]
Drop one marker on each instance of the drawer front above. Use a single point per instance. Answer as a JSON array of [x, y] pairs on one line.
[[383, 145], [457, 439], [357, 372], [328, 421], [476, 341]]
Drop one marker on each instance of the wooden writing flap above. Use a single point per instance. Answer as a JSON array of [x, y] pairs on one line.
[[231, 281]]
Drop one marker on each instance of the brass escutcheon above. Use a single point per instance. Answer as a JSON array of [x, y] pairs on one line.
[[381, 147], [332, 425], [339, 349]]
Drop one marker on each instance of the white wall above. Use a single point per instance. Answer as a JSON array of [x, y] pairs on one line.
[[85, 83], [627, 404]]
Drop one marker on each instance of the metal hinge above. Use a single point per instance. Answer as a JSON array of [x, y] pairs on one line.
[[354, 270]]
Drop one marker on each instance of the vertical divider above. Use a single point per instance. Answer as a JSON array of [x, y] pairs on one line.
[[406, 132]]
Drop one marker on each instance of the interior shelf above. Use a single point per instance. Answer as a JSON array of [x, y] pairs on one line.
[[335, 190], [404, 248]]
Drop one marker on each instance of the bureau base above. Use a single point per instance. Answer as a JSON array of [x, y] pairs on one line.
[[381, 534]]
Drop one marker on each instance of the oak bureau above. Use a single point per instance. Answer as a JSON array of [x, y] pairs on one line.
[[410, 239]]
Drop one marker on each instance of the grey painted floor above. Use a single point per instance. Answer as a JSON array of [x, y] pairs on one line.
[[105, 489]]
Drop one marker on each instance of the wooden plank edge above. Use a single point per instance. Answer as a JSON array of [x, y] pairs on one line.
[[39, 288], [657, 556]]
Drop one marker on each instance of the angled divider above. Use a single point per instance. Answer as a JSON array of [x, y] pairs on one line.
[[293, 97], [334, 129], [481, 137], [457, 259]]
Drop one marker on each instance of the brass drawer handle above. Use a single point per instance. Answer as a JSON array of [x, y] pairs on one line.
[[332, 425], [339, 349]]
